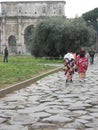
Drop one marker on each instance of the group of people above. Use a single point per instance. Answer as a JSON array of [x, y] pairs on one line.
[[77, 63]]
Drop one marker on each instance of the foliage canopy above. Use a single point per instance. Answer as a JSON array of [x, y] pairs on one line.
[[91, 18], [54, 36]]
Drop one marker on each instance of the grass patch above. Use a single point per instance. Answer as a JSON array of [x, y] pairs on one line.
[[20, 68], [29, 59]]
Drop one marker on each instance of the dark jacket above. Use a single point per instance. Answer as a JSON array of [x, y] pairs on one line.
[[5, 52], [92, 53]]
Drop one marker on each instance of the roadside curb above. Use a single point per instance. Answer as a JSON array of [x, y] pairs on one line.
[[26, 83]]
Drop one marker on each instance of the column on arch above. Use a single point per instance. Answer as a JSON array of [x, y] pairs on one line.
[[20, 42]]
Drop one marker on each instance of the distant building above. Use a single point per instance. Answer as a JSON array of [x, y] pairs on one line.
[[18, 18]]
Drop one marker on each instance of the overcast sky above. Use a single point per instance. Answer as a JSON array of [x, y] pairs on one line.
[[73, 8], [78, 7]]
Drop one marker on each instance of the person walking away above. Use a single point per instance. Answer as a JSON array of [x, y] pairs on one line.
[[69, 66], [5, 54], [82, 64], [91, 54]]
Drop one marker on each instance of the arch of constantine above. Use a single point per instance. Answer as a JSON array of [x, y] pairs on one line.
[[18, 18]]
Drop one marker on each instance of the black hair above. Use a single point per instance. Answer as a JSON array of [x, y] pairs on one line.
[[82, 53]]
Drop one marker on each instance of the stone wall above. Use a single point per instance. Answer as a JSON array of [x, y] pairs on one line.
[[33, 8], [17, 16]]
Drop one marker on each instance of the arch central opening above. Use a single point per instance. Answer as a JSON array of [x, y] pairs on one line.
[[28, 37], [12, 44]]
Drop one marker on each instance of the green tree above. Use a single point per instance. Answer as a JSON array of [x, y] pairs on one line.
[[91, 18], [54, 36], [47, 37]]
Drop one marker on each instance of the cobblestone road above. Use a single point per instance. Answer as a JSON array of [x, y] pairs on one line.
[[51, 104]]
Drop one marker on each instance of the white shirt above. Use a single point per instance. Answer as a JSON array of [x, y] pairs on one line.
[[69, 56]]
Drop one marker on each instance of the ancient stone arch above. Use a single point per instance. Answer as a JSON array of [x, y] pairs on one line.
[[12, 43], [17, 18]]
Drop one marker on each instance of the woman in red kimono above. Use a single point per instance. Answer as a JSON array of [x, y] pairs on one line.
[[82, 64]]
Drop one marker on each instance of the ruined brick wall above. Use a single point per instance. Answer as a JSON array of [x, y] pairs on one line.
[[33, 8], [17, 16]]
